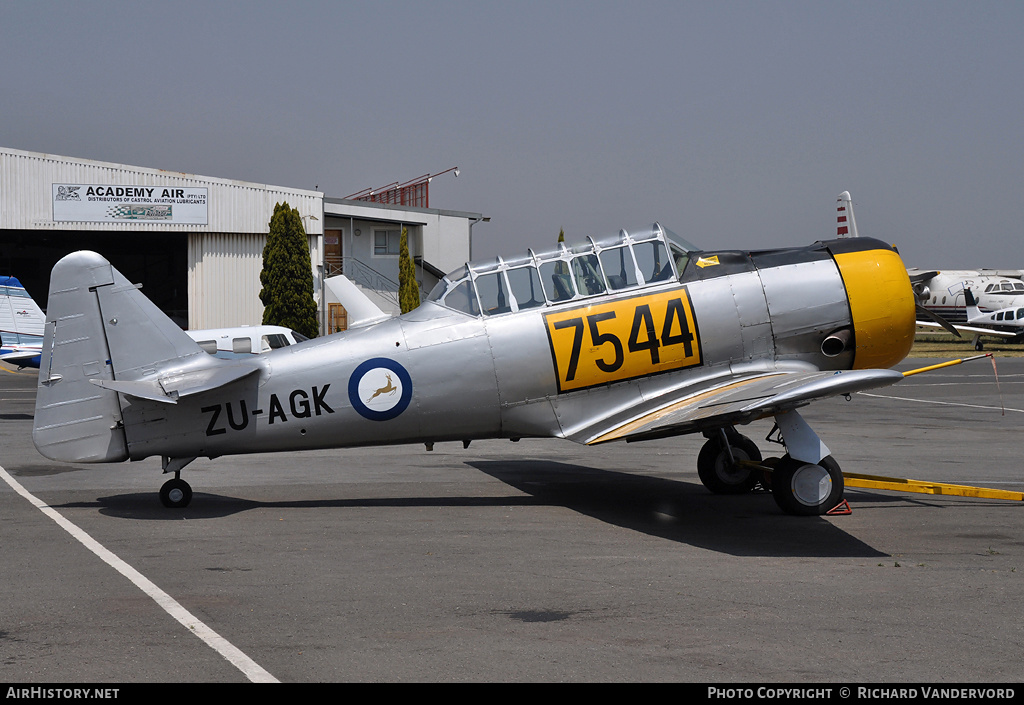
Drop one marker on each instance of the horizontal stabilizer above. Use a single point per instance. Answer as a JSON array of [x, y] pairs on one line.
[[20, 358], [169, 387]]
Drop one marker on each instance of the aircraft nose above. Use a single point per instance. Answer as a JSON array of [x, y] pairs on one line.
[[881, 301]]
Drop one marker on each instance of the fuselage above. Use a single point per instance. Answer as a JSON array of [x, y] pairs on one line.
[[532, 346]]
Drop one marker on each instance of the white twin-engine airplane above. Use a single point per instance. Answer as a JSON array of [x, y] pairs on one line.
[[943, 293], [634, 336], [1006, 323]]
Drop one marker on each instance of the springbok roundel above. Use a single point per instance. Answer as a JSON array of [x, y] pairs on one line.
[[380, 389]]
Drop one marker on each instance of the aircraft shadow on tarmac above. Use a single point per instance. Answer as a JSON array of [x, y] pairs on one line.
[[742, 525]]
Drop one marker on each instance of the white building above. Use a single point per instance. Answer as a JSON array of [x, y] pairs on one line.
[[361, 241], [195, 243]]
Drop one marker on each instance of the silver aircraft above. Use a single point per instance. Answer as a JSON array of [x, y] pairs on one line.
[[635, 336]]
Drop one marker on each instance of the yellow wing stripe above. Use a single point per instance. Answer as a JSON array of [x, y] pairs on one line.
[[658, 414]]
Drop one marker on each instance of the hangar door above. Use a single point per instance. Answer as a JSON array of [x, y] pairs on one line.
[[158, 262]]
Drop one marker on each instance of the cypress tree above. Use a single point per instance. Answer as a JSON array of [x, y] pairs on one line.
[[408, 289], [287, 275]]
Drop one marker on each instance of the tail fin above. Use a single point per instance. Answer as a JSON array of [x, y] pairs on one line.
[[972, 305], [21, 325], [846, 226], [361, 310], [103, 337]]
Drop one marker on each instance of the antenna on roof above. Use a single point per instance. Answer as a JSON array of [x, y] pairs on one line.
[[412, 193]]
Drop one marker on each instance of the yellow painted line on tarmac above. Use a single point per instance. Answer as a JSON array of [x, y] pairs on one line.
[[923, 487]]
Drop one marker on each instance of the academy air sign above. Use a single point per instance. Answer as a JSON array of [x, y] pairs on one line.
[[118, 204]]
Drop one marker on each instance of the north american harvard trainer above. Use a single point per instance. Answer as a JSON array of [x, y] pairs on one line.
[[634, 336]]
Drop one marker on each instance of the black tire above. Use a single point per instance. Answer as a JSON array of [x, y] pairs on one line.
[[807, 489], [722, 477], [175, 494]]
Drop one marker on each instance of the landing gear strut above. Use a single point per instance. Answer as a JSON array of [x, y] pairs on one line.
[[721, 463], [175, 493]]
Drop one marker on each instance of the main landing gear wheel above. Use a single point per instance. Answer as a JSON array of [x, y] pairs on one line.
[[807, 489], [175, 493], [722, 476]]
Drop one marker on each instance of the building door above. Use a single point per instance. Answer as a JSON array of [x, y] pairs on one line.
[[332, 252], [337, 318]]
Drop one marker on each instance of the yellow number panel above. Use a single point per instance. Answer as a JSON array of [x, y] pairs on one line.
[[607, 342]]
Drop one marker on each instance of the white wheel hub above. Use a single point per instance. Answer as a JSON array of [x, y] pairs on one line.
[[811, 485]]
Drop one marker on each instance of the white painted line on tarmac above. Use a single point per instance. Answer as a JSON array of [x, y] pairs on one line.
[[253, 671], [941, 403]]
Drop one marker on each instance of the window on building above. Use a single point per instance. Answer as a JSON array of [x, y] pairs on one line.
[[385, 242]]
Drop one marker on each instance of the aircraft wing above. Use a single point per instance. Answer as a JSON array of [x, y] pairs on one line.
[[19, 355], [973, 329], [736, 400]]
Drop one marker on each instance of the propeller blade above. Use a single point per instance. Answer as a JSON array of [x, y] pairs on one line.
[[922, 311], [916, 277]]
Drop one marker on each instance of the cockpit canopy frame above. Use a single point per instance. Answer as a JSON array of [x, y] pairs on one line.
[[630, 259]]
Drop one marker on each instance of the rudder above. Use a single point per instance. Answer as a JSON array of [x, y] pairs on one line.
[[99, 327]]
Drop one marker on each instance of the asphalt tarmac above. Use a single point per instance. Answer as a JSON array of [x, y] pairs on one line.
[[533, 561]]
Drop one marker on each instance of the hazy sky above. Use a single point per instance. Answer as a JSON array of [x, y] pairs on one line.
[[736, 124]]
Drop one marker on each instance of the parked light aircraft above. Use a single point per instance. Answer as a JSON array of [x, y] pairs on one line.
[[21, 331], [635, 336], [242, 341], [942, 292], [21, 325], [1006, 323]]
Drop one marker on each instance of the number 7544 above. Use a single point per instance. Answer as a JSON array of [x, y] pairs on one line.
[[623, 339]]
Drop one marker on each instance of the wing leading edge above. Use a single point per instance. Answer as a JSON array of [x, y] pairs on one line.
[[737, 400]]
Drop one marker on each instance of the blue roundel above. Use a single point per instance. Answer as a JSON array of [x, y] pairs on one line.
[[380, 389]]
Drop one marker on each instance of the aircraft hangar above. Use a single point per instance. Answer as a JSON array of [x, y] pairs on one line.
[[195, 243]]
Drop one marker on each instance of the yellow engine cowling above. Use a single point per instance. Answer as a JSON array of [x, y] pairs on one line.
[[881, 301]]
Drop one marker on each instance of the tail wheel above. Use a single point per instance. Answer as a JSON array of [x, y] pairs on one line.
[[175, 494], [807, 489], [722, 476]]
